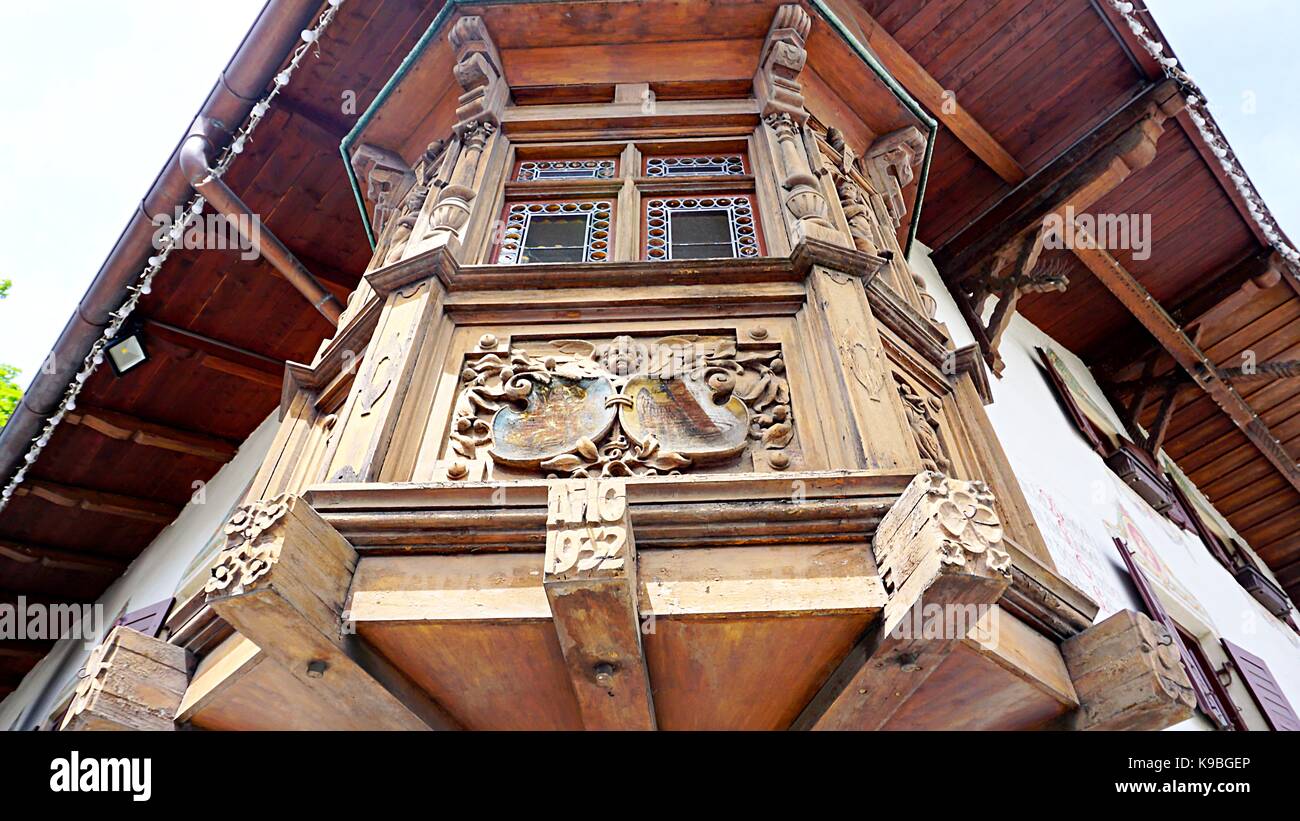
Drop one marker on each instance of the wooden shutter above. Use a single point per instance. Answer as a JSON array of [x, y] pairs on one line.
[[1208, 536], [1206, 698], [147, 620], [1263, 688], [1076, 413]]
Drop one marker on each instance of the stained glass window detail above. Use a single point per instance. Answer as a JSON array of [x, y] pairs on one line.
[[555, 232], [700, 228], [729, 165], [531, 170]]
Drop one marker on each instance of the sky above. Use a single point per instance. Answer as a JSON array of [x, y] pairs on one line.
[[95, 95]]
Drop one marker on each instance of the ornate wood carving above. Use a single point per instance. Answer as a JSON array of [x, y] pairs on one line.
[[130, 682], [428, 176], [283, 583], [922, 413], [587, 532], [890, 164], [387, 178], [623, 407], [940, 545], [251, 549]]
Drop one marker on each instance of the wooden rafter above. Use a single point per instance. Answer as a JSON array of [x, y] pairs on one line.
[[1186, 353], [218, 355], [59, 559], [95, 501], [921, 85], [126, 428]]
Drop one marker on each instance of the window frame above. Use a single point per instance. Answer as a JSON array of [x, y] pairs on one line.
[[507, 252]]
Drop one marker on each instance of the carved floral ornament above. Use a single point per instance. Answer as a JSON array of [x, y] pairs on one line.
[[623, 407], [250, 550], [971, 529], [1166, 659], [90, 679]]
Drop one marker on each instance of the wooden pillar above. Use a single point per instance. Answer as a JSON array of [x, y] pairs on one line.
[[1129, 676], [591, 586], [940, 544], [282, 582], [131, 682]]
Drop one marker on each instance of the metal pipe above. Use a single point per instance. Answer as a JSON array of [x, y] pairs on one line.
[[195, 165], [263, 50]]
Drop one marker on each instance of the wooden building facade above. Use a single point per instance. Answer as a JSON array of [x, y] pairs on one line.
[[690, 365]]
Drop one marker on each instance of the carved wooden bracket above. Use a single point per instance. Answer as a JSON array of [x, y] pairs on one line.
[[940, 545], [590, 581], [387, 178], [130, 682], [282, 581], [1129, 676]]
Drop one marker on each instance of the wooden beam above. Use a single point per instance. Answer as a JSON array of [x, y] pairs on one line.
[[95, 501], [926, 562], [1128, 675], [60, 559], [1185, 352], [590, 581], [220, 356], [921, 85], [282, 582], [126, 428], [31, 650], [1089, 169], [131, 682]]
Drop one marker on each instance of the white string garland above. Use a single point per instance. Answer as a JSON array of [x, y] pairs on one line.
[[1199, 113], [144, 281]]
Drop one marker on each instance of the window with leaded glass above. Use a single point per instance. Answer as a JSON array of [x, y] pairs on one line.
[[555, 232], [701, 228]]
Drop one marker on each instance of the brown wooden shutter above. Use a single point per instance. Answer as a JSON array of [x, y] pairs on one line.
[[147, 620], [1208, 536], [1263, 688], [1206, 698], [1076, 413]]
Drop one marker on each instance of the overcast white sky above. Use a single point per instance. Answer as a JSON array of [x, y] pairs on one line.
[[94, 96]]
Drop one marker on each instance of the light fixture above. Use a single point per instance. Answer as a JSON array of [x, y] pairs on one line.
[[127, 350]]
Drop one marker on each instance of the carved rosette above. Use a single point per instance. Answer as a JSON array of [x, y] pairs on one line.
[[251, 549], [623, 407], [940, 523], [1162, 655]]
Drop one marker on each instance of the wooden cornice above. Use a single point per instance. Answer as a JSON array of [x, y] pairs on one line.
[[58, 559], [95, 501], [921, 85], [126, 428], [1188, 355]]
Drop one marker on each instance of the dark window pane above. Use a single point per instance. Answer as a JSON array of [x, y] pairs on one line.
[[701, 234], [559, 238]]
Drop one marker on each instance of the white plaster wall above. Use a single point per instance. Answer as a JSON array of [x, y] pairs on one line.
[[1077, 499], [153, 576]]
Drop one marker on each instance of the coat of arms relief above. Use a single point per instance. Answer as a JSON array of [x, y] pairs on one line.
[[624, 406]]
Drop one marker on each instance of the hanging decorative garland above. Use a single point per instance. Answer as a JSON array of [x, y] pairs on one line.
[[1198, 111], [144, 281]]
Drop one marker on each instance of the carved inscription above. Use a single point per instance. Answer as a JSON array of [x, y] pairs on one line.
[[587, 529]]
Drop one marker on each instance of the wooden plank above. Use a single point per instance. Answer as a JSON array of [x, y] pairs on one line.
[[921, 85], [60, 559]]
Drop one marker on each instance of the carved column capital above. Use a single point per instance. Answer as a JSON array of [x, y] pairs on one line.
[[783, 57], [890, 163], [478, 71]]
